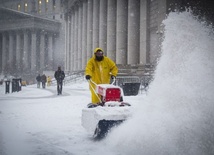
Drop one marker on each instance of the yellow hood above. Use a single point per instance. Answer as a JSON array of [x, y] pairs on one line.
[[96, 49]]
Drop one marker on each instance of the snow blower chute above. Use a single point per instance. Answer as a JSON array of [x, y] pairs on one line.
[[98, 119]]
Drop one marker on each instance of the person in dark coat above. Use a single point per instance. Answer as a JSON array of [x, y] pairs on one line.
[[43, 80], [59, 76], [38, 79]]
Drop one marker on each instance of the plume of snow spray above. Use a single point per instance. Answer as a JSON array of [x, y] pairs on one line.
[[176, 117]]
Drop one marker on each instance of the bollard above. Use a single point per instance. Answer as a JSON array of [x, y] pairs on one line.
[[7, 86]]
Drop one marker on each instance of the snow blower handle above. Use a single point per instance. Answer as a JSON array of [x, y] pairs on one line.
[[90, 81], [113, 78]]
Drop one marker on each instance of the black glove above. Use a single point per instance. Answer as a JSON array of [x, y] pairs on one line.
[[87, 77], [113, 77]]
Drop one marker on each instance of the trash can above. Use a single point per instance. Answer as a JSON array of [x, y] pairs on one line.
[[15, 85], [7, 86], [130, 89]]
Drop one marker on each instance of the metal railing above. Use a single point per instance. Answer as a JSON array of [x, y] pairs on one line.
[[144, 80], [70, 77]]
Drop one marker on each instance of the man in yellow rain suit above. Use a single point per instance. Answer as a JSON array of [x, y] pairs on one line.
[[99, 69]]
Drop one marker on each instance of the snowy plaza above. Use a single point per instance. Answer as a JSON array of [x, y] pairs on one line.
[[175, 115]]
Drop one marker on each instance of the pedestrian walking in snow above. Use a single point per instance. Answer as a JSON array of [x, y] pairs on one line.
[[38, 79], [43, 80], [59, 76]]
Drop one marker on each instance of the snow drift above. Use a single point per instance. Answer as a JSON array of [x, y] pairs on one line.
[[176, 117]]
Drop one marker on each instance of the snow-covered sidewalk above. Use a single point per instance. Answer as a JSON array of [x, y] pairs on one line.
[[36, 121]]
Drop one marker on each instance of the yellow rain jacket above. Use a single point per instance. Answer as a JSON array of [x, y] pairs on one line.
[[100, 72]]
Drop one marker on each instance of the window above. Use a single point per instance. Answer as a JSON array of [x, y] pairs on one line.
[[26, 9], [46, 5], [19, 7], [39, 6]]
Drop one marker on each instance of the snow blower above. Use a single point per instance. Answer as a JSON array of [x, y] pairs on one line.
[[98, 119]]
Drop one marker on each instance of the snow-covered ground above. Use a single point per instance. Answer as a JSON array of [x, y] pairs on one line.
[[175, 117], [39, 122]]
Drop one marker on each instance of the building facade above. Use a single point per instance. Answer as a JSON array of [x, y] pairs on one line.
[[129, 31], [39, 35], [124, 29], [31, 36]]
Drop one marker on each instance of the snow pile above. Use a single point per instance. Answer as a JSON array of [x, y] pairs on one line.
[[177, 115]]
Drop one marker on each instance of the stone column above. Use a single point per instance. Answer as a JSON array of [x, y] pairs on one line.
[[33, 51], [89, 29], [80, 16], [144, 45], [67, 50], [122, 22], [69, 43], [84, 35], [72, 40], [76, 39], [42, 51], [111, 30], [133, 32], [18, 51], [50, 51], [11, 49], [26, 51], [103, 25], [96, 23], [4, 57]]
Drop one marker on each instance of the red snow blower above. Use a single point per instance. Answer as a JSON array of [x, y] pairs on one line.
[[111, 111]]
